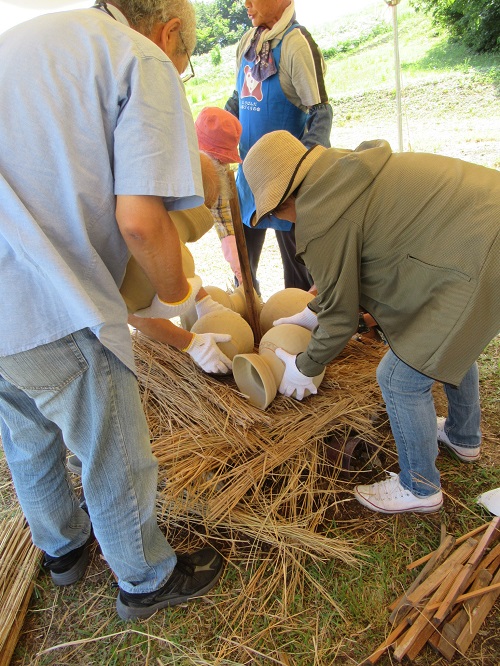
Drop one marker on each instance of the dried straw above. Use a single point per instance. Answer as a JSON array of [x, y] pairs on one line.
[[230, 465], [19, 563], [258, 483]]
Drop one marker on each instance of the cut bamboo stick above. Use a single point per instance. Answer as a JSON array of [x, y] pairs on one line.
[[473, 594], [389, 641], [490, 536], [446, 644], [459, 556], [422, 623], [492, 533], [437, 558], [478, 616], [491, 559], [459, 585], [460, 540]]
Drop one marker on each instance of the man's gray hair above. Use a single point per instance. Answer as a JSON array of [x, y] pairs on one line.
[[143, 14]]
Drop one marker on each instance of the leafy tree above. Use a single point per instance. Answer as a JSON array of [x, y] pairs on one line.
[[220, 22], [475, 22]]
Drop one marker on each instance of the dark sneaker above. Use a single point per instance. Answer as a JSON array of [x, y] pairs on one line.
[[69, 568], [74, 464], [463, 453], [193, 576]]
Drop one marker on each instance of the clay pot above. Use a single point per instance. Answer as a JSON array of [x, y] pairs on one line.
[[137, 290], [242, 341], [284, 303], [193, 223], [239, 301], [235, 301], [258, 376]]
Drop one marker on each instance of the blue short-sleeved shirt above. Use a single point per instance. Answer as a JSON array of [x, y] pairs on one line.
[[89, 109]]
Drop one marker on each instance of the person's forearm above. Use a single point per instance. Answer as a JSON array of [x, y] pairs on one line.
[[153, 240], [319, 126], [233, 104], [162, 330], [223, 222]]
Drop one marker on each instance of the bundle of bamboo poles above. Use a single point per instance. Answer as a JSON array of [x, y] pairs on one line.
[[259, 483], [19, 566], [449, 600]]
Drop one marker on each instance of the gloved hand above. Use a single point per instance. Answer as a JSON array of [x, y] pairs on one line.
[[230, 252], [307, 319], [207, 304], [161, 310], [293, 380], [204, 351]]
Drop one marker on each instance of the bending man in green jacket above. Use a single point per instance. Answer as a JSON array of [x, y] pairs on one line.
[[414, 239]]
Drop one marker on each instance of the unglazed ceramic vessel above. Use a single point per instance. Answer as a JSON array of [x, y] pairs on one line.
[[284, 303], [193, 223], [258, 376], [227, 321], [235, 301], [239, 301], [137, 290]]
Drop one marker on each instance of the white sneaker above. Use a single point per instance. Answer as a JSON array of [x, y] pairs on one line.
[[389, 496], [463, 453]]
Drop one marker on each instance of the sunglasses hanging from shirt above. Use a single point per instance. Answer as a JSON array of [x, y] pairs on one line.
[[104, 6]]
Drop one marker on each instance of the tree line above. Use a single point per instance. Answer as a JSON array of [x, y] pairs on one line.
[[219, 23], [475, 22]]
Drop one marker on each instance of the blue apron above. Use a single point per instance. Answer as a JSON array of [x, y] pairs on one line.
[[263, 108]]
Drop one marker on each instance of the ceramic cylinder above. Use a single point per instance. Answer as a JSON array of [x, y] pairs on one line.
[[226, 321], [258, 376], [284, 303]]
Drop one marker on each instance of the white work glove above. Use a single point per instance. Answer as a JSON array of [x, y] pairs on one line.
[[230, 252], [207, 304], [204, 351], [307, 319], [161, 310], [293, 380]]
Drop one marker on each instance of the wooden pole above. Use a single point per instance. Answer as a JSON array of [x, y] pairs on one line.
[[252, 309]]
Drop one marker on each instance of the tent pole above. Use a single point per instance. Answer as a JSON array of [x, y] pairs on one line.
[[397, 68]]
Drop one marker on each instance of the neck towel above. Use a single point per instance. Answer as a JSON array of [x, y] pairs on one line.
[[259, 51]]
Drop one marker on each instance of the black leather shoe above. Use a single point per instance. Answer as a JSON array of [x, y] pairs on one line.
[[193, 576]]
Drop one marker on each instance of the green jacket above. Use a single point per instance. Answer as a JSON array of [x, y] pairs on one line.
[[414, 239]]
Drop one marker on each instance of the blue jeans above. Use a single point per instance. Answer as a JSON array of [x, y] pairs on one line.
[[410, 406], [75, 393]]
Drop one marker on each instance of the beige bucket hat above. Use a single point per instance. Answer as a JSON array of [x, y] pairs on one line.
[[274, 167]]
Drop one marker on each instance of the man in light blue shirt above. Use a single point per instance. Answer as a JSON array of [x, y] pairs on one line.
[[97, 142]]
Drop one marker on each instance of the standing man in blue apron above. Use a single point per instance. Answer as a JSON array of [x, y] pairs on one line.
[[280, 85]]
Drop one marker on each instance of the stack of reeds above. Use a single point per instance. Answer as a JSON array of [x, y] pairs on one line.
[[19, 566], [259, 483], [449, 600]]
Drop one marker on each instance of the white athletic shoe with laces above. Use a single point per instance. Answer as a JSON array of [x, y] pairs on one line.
[[463, 453], [389, 496]]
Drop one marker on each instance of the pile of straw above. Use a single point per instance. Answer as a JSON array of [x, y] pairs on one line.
[[19, 565], [259, 484]]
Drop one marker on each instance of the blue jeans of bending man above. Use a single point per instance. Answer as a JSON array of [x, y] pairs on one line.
[[75, 393], [412, 415]]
